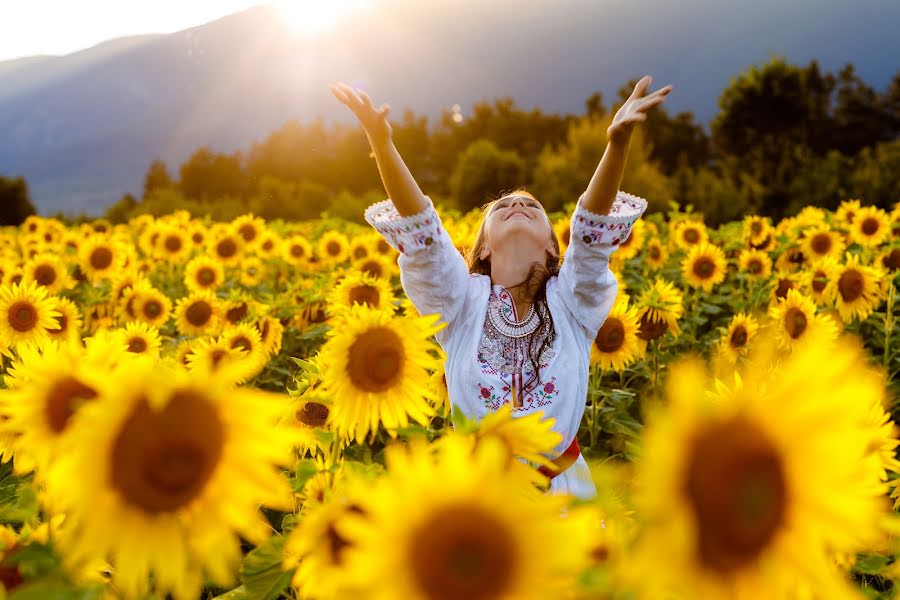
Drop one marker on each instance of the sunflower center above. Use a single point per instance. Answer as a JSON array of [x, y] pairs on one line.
[[756, 228], [783, 286], [463, 552], [313, 414], [850, 285], [101, 258], [869, 226], [738, 337], [691, 235], [333, 248], [795, 322], [63, 322], [137, 344], [375, 361], [735, 484], [243, 343], [226, 248], [206, 276], [248, 232], [163, 459], [360, 252], [654, 253], [198, 313], [237, 313], [754, 266], [152, 309], [611, 335], [650, 329], [819, 281], [382, 246], [704, 267], [173, 243], [821, 243], [22, 316], [63, 400], [217, 355], [297, 250], [365, 294], [197, 237], [372, 268], [45, 275], [892, 260]]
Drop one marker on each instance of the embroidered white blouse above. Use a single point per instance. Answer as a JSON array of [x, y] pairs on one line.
[[484, 368]]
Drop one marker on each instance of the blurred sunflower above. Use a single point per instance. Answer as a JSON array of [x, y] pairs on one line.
[[376, 369], [68, 321], [48, 271], [296, 250], [377, 266], [820, 281], [333, 247], [182, 463], [197, 234], [889, 260], [253, 271], [871, 227], [271, 332], [563, 229], [846, 213], [795, 322], [382, 247], [469, 529], [755, 263], [100, 257], [688, 233], [616, 344], [783, 283], [659, 308], [791, 260], [269, 244], [704, 266], [634, 242], [440, 393], [740, 331], [756, 229], [203, 274], [821, 242], [736, 503], [655, 254], [308, 416], [141, 338], [360, 288], [173, 244], [359, 248], [246, 337], [530, 437], [150, 305], [858, 289], [217, 356], [250, 228], [197, 314], [227, 247], [26, 314]]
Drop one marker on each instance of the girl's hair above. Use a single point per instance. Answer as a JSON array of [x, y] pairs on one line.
[[534, 287]]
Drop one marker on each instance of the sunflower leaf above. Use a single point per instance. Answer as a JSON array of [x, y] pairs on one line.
[[261, 570], [303, 472]]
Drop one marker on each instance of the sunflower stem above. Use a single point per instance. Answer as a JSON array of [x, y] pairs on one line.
[[888, 325]]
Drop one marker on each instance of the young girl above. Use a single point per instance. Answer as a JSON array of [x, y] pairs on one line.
[[519, 326]]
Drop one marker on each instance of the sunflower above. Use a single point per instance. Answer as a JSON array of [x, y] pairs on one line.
[[271, 332], [308, 416], [227, 247], [659, 308], [821, 242], [739, 333], [755, 263], [530, 437], [68, 329], [377, 266], [48, 386], [198, 314], [740, 504], [634, 242], [382, 247], [48, 271], [100, 257], [182, 463], [791, 260], [689, 233], [296, 250], [250, 229], [253, 271], [197, 234], [218, 356], [756, 229], [846, 212], [871, 227], [333, 247], [246, 337], [360, 248], [616, 344], [203, 274], [820, 281], [858, 289], [795, 322], [141, 338], [26, 314], [655, 254], [704, 266], [889, 260], [783, 283], [469, 529], [150, 305], [269, 244], [376, 369], [441, 393], [361, 288]]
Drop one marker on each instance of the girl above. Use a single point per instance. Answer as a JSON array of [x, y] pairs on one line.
[[519, 326]]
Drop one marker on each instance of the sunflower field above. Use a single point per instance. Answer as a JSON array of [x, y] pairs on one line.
[[254, 410]]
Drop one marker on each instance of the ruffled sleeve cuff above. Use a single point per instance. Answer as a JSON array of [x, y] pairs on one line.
[[405, 234], [610, 229]]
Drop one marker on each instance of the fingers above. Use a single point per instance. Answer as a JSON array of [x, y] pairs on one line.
[[641, 86], [366, 100]]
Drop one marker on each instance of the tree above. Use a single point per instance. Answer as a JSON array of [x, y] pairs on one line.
[[157, 178], [208, 175], [122, 210], [483, 171], [15, 201]]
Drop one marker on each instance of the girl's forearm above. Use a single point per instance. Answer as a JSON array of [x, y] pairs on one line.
[[399, 183], [601, 191]]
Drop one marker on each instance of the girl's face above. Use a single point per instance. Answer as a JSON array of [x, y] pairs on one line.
[[518, 217]]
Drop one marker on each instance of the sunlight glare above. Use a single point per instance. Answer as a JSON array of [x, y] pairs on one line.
[[313, 17]]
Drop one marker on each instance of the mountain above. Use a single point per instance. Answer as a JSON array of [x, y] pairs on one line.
[[84, 127]]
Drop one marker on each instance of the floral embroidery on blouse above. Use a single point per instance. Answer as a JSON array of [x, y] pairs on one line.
[[611, 229], [405, 233]]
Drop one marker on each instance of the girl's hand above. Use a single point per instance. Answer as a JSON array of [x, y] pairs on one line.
[[634, 110], [374, 120]]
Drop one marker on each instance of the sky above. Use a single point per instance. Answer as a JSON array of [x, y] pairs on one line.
[[30, 27]]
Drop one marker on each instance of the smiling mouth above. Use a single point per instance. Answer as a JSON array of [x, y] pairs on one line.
[[517, 213]]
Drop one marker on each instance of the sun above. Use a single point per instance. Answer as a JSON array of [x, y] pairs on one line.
[[314, 17]]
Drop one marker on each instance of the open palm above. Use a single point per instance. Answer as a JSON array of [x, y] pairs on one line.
[[374, 120], [634, 110]]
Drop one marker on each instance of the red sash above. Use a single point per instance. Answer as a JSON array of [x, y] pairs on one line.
[[563, 461]]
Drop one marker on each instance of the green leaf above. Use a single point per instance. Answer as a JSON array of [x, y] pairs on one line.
[[261, 571], [870, 564], [303, 472], [56, 589], [238, 593]]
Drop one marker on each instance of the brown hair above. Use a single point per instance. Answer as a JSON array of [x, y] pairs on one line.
[[533, 287]]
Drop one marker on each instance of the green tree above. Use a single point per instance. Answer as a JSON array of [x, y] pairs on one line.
[[124, 209], [15, 201], [157, 178], [207, 175], [482, 172]]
